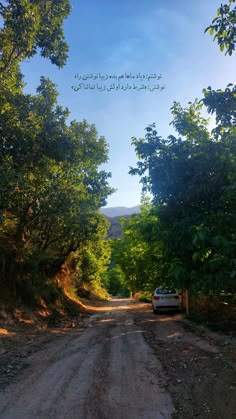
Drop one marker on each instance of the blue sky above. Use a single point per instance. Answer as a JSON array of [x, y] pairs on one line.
[[152, 36]]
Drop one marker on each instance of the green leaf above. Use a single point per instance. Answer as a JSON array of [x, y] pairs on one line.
[[222, 47], [211, 30]]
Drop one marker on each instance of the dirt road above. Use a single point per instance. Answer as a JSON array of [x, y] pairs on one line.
[[125, 363]]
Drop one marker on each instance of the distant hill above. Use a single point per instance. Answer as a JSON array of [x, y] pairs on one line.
[[120, 211]]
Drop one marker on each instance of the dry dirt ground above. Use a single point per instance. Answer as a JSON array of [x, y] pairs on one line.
[[121, 362]]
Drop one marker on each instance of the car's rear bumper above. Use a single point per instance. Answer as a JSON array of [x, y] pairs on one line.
[[166, 308]]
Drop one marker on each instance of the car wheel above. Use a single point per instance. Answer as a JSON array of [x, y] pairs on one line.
[[154, 311]]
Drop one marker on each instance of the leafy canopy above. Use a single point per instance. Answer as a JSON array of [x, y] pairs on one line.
[[223, 27], [51, 183], [192, 178]]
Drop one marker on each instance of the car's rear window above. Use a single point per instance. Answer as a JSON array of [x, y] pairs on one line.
[[165, 291]]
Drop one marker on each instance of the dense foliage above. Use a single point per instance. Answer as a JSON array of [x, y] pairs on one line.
[[137, 252], [223, 27], [187, 237], [51, 187], [192, 178]]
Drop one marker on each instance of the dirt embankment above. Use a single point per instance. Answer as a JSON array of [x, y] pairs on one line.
[[122, 362]]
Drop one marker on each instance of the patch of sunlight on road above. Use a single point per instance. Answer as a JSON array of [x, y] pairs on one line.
[[171, 318], [174, 335], [65, 330], [107, 308], [159, 319], [115, 304], [128, 333], [6, 332]]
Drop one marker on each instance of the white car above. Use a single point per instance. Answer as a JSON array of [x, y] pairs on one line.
[[165, 299]]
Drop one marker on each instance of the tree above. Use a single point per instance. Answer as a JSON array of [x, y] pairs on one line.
[[192, 179], [138, 254], [51, 186], [30, 25], [90, 260], [223, 27], [115, 281]]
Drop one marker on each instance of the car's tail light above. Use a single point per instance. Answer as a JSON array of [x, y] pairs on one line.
[[156, 297], [177, 297]]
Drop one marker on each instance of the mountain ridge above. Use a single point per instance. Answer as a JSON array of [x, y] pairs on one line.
[[119, 211]]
